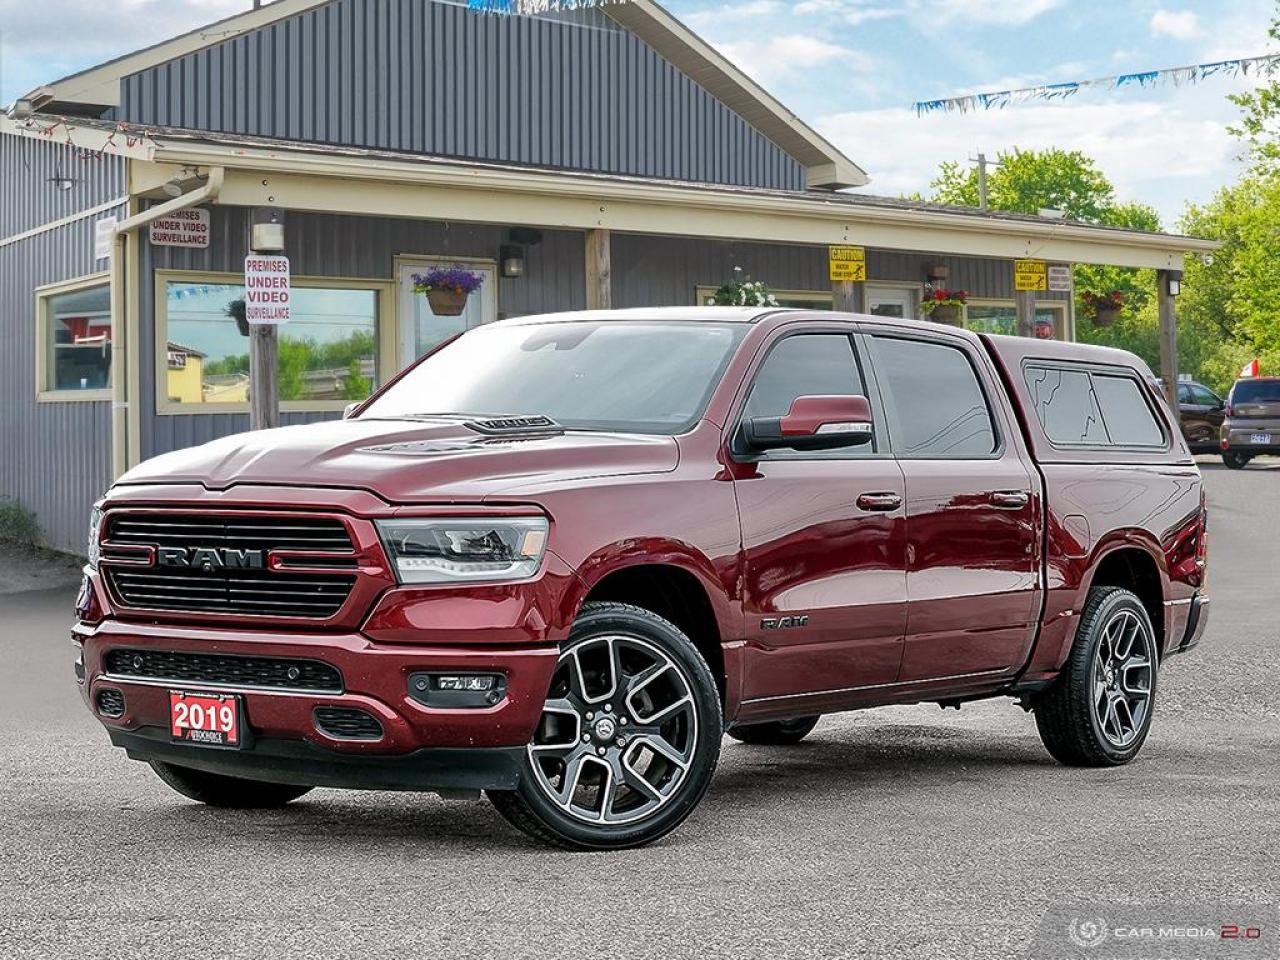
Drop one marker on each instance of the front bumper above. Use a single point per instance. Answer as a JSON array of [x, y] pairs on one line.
[[421, 747]]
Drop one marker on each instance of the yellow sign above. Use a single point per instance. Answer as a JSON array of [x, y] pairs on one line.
[[1030, 275], [847, 263]]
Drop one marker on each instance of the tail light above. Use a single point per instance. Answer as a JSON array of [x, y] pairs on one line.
[[1227, 411], [1202, 535]]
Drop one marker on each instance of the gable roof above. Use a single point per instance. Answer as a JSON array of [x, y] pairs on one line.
[[826, 167]]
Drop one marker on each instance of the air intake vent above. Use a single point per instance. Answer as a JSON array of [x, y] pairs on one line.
[[226, 671], [111, 703], [346, 723]]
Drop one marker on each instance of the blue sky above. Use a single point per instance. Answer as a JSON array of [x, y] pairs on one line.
[[852, 68]]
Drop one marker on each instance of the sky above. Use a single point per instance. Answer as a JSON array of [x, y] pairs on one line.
[[852, 69]]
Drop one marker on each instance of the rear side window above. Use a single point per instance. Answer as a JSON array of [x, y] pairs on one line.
[[1256, 391], [936, 404], [1090, 408]]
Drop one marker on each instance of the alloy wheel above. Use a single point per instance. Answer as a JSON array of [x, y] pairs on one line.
[[618, 731], [1122, 677]]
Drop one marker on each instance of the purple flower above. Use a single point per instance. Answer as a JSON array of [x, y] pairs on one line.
[[455, 278]]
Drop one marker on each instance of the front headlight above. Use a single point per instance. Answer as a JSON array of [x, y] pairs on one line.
[[95, 529], [464, 548]]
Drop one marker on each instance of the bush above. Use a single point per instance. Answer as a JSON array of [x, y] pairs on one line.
[[17, 523]]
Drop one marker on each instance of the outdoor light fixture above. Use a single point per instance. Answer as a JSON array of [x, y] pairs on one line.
[[511, 257], [181, 181], [937, 272], [268, 237], [61, 181]]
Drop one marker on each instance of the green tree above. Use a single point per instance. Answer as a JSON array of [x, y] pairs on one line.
[[1259, 123]]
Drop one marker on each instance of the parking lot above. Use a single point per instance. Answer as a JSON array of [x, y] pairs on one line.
[[905, 832]]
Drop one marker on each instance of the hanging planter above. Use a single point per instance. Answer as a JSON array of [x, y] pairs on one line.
[[447, 288], [236, 311], [1103, 307], [945, 306], [742, 291]]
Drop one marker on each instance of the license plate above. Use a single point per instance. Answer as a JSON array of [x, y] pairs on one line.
[[1262, 438], [210, 719]]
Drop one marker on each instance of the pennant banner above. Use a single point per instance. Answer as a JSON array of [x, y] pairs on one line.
[[529, 7], [1177, 76]]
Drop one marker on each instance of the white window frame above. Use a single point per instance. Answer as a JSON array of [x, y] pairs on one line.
[[406, 334], [1061, 325], [385, 336], [44, 393]]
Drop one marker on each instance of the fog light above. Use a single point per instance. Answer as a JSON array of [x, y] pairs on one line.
[[458, 689]]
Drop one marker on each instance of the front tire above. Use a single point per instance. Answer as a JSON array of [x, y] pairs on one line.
[[216, 790], [1235, 460], [629, 736], [1098, 712], [776, 733]]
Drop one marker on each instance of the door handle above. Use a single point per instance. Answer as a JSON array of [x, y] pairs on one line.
[[879, 502], [1010, 499]]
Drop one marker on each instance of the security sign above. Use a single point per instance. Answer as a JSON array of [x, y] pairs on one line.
[[1030, 275], [266, 288], [847, 263]]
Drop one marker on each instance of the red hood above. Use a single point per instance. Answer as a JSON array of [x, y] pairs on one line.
[[405, 461]]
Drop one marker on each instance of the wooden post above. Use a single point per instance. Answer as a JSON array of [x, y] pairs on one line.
[[1026, 305], [599, 273], [1168, 335], [848, 296], [264, 385]]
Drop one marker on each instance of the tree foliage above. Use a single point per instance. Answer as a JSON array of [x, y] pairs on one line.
[[1259, 123]]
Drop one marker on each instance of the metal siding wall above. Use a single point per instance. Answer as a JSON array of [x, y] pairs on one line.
[[574, 90], [55, 458], [323, 245]]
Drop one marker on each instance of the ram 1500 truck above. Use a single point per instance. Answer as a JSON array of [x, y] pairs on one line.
[[557, 558]]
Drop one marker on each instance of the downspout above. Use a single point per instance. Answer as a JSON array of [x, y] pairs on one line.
[[121, 455]]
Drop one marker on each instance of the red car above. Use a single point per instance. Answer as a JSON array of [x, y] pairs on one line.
[[556, 559]]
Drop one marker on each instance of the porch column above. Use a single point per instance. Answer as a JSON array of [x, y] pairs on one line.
[[848, 296], [1026, 305], [1167, 283], [599, 277]]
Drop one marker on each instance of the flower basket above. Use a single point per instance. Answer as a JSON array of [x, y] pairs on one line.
[[447, 288], [946, 313], [945, 306], [742, 291], [447, 303], [1105, 307], [236, 311], [1106, 316]]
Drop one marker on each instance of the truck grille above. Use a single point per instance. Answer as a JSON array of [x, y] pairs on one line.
[[309, 589], [230, 671], [345, 723]]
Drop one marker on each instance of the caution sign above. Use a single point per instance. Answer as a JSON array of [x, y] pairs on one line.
[[1030, 275], [847, 263]]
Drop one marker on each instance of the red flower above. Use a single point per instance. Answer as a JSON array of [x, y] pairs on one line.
[[939, 294]]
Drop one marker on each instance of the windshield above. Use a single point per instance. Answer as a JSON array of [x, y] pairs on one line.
[[625, 376], [1256, 391]]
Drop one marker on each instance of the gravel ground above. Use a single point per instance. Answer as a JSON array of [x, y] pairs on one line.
[[904, 832]]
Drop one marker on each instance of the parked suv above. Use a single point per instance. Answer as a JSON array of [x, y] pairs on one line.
[[1201, 412], [558, 557], [1252, 424]]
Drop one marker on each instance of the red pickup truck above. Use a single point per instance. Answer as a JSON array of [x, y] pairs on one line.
[[557, 558]]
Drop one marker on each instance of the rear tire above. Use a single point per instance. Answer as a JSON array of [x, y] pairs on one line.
[[1235, 460], [234, 793], [629, 736], [1098, 712], [776, 733]]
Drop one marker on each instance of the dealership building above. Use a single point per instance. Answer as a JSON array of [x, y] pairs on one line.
[[594, 158]]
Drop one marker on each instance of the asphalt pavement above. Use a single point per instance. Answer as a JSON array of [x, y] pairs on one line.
[[902, 832]]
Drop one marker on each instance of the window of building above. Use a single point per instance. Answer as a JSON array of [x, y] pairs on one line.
[[813, 364], [1001, 316], [936, 405], [795, 299], [74, 340], [1092, 408], [328, 352]]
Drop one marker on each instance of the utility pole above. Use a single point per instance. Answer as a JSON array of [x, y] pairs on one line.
[[267, 302], [981, 161]]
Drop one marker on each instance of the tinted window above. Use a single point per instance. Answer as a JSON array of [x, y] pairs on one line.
[[1184, 394], [937, 405], [1255, 391], [1065, 405], [1125, 411], [1204, 396]]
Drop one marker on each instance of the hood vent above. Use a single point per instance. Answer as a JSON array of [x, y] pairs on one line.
[[516, 426]]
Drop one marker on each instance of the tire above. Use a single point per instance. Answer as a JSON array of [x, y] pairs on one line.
[[622, 665], [1074, 724], [1235, 460], [777, 733], [233, 793]]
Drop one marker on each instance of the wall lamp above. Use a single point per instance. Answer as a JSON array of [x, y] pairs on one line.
[[182, 181], [511, 259]]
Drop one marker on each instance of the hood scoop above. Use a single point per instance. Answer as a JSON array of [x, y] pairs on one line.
[[516, 427]]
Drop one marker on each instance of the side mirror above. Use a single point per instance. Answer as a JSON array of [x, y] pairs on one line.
[[814, 423], [349, 409]]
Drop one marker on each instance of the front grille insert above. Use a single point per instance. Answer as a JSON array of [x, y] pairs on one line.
[[347, 723], [225, 670], [111, 703], [237, 579]]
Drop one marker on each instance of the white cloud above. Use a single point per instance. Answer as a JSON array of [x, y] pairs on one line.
[[850, 13], [786, 55], [1181, 24], [986, 12], [718, 16], [1151, 151]]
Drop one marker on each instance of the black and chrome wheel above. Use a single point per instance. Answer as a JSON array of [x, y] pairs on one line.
[[217, 790], [629, 735], [775, 733], [1235, 460], [1099, 710]]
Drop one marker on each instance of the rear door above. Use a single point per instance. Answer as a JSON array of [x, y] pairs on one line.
[[824, 542], [973, 508]]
